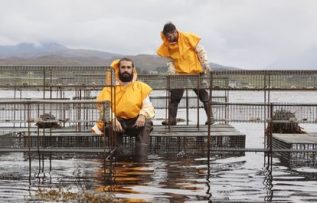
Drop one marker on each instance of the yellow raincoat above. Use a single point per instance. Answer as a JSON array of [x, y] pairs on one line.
[[182, 53], [128, 99]]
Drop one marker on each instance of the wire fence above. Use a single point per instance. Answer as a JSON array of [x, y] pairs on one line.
[[21, 117], [94, 76]]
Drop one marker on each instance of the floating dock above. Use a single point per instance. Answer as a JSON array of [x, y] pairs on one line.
[[192, 138], [163, 139]]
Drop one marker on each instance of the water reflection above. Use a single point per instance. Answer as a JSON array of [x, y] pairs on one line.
[[162, 178], [268, 177], [127, 172]]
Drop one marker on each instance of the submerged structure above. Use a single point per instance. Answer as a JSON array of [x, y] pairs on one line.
[[50, 110]]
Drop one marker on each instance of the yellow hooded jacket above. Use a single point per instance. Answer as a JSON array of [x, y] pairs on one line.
[[128, 99], [182, 53]]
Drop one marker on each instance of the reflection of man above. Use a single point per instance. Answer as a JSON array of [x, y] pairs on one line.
[[186, 57], [132, 107]]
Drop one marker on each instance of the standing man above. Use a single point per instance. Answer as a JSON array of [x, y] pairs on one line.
[[186, 56], [132, 108]]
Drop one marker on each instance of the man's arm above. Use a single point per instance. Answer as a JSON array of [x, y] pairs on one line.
[[147, 109], [203, 58], [171, 68], [147, 112]]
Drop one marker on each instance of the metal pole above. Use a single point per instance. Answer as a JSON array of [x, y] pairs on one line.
[[198, 95], [29, 140], [168, 103], [187, 108]]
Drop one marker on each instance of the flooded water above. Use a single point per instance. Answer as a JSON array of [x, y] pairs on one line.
[[159, 179], [164, 177]]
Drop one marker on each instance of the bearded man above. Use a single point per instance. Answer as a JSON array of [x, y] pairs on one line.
[[130, 104]]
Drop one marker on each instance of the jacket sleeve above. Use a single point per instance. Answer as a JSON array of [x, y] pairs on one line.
[[171, 68], [147, 109], [202, 55]]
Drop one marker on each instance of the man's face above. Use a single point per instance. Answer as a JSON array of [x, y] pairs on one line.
[[126, 71], [172, 36]]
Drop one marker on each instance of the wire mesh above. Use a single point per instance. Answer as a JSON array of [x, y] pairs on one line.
[[303, 113], [186, 102], [21, 76], [52, 76], [196, 145], [240, 112], [259, 112], [18, 119], [296, 154], [89, 76], [260, 80], [65, 111], [93, 76], [50, 123]]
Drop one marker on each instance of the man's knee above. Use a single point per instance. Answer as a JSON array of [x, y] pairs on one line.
[[202, 94], [148, 124], [176, 95]]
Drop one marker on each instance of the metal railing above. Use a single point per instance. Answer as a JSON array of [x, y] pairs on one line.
[[70, 77], [63, 78]]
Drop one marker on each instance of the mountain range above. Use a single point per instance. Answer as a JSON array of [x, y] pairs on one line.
[[57, 54]]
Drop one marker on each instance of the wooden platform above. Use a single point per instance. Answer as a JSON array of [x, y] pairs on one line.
[[194, 139], [175, 138], [194, 131], [158, 130]]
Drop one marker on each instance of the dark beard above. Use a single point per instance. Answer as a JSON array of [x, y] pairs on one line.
[[125, 77]]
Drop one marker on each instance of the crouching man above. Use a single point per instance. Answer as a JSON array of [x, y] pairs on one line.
[[130, 105]]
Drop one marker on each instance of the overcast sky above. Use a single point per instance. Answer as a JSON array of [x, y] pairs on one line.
[[253, 34]]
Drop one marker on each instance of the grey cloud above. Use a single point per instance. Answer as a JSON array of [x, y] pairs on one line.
[[245, 33]]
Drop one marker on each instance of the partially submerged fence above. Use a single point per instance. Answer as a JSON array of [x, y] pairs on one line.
[[71, 77], [51, 80], [56, 124], [51, 125]]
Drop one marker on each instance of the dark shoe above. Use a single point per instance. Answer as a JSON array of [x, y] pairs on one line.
[[173, 122], [212, 121]]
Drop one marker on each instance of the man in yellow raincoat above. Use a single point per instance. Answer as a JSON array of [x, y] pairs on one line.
[[132, 109], [186, 56]]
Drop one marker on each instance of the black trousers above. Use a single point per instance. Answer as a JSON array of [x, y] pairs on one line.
[[176, 96], [142, 134]]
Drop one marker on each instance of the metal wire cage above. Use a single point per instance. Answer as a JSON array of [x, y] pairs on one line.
[[50, 123]]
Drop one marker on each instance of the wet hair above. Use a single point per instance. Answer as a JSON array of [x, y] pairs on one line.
[[126, 59], [168, 28]]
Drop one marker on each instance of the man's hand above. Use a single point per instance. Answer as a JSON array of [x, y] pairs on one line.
[[116, 125], [140, 121], [207, 67], [206, 70]]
